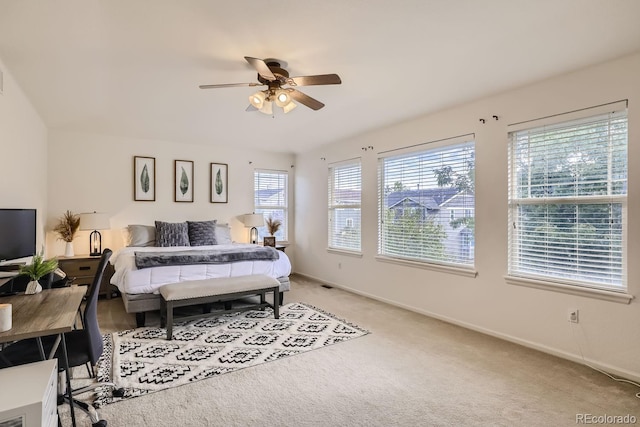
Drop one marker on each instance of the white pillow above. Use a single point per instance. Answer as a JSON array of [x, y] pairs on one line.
[[223, 234]]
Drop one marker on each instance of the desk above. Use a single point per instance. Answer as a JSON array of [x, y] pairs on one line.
[[6, 277], [50, 312]]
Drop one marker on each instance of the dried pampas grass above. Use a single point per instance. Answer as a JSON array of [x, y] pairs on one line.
[[67, 226]]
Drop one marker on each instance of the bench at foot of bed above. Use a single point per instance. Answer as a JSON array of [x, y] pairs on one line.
[[141, 303], [215, 290]]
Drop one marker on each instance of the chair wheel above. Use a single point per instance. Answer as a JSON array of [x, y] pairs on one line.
[[100, 423], [119, 392]]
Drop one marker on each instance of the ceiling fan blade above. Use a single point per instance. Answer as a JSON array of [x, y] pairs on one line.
[[321, 79], [229, 85], [310, 102], [261, 67]]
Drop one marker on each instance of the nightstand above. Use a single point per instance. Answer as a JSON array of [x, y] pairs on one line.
[[83, 269], [280, 248]]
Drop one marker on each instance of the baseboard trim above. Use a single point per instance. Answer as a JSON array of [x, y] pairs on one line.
[[613, 370]]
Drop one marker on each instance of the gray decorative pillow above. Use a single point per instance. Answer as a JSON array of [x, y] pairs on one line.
[[172, 234], [202, 233], [141, 235], [223, 234]]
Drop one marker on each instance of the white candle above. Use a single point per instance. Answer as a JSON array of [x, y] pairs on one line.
[[5, 317]]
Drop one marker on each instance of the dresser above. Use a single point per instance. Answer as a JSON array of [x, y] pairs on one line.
[[29, 395], [82, 269]]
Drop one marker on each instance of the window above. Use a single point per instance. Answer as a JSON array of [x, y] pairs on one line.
[[418, 194], [345, 185], [567, 200], [271, 195]]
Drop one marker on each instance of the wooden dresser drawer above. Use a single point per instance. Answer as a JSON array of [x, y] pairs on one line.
[[82, 269], [85, 267]]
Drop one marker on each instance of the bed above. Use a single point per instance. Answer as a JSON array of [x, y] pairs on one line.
[[139, 279]]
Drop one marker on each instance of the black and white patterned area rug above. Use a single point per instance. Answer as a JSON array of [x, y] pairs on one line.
[[143, 361]]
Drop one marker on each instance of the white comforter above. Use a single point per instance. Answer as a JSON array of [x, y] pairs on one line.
[[129, 279]]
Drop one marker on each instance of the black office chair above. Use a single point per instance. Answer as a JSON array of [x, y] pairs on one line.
[[84, 346]]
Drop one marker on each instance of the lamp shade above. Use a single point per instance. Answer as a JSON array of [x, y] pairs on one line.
[[257, 99], [267, 108], [290, 106], [253, 220], [94, 221], [282, 98]]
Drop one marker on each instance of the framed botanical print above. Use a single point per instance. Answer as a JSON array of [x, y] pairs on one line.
[[183, 181], [219, 183], [144, 178]]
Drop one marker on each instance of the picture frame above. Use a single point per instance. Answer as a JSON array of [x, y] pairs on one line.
[[183, 181], [144, 179], [219, 182], [269, 241]]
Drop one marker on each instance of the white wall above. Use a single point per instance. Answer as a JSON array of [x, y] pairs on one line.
[[23, 150], [608, 333], [89, 172]]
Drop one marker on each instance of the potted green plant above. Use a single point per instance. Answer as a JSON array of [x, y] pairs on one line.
[[66, 229], [38, 268]]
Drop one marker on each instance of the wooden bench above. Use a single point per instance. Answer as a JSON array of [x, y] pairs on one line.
[[214, 290]]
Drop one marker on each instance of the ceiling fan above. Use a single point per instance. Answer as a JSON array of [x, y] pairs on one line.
[[272, 74]]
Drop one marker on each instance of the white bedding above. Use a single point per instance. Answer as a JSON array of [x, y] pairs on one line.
[[129, 279]]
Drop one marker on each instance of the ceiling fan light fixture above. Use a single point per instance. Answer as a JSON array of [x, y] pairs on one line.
[[273, 75], [282, 98], [258, 99], [290, 106], [266, 108]]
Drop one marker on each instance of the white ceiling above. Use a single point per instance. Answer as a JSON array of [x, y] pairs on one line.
[[132, 67]]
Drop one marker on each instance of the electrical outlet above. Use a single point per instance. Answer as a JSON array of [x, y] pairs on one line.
[[573, 316]]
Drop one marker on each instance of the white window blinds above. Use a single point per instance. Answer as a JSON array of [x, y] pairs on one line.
[[427, 204], [567, 201], [271, 199], [345, 185]]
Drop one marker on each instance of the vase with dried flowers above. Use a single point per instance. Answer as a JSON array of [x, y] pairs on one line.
[[66, 228], [273, 225], [38, 268]]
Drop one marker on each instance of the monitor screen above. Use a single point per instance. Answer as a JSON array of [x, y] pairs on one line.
[[17, 233]]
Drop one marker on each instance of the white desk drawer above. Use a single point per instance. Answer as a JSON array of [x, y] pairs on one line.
[[33, 396]]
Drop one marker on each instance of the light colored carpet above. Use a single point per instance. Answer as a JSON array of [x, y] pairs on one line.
[[410, 371]]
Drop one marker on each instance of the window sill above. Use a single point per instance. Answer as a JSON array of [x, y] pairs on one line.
[[613, 296], [344, 252], [461, 271]]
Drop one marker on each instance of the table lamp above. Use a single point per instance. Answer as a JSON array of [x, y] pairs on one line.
[[254, 220], [94, 221]]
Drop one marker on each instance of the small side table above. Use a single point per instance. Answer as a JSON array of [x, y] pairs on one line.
[[31, 400], [281, 247], [83, 269]]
